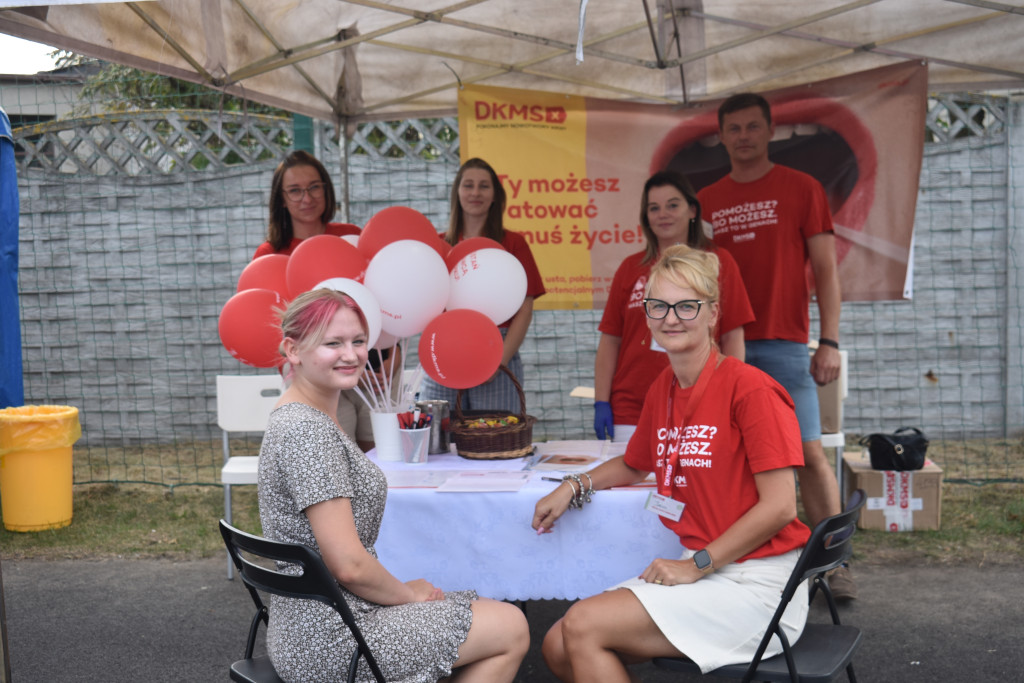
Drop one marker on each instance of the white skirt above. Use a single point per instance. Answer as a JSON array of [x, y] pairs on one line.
[[721, 619]]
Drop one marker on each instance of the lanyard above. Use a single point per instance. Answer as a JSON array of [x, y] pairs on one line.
[[672, 461]]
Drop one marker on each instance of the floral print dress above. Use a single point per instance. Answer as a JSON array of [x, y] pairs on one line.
[[306, 459]]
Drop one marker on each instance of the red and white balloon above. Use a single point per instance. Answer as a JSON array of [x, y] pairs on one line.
[[491, 281]]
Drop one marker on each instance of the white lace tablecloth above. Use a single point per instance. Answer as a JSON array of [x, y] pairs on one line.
[[484, 540]]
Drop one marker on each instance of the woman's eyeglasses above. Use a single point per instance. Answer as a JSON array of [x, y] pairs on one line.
[[686, 309], [295, 194]]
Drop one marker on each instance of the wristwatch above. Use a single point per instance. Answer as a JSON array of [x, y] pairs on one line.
[[702, 559]]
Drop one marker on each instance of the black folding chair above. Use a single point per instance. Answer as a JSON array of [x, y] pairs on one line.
[[314, 583], [823, 650]]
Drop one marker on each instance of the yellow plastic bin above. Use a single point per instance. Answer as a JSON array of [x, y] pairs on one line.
[[35, 466]]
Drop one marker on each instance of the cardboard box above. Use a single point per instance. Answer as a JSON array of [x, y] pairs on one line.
[[896, 501]]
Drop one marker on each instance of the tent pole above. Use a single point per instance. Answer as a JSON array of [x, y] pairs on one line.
[[343, 158], [679, 50]]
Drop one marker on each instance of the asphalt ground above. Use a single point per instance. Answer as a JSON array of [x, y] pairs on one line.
[[161, 620]]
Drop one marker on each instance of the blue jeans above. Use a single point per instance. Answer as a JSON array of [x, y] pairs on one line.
[[789, 364]]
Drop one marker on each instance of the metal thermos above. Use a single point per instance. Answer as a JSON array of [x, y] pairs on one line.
[[439, 417]]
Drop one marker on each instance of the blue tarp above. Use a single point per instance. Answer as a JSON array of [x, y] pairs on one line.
[[12, 391]]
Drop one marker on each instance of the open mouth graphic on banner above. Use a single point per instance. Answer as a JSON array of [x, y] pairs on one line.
[[574, 170]]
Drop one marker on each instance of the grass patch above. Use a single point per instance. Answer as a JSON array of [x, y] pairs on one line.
[[134, 521], [980, 524]]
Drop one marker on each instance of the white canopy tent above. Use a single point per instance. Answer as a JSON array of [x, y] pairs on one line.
[[354, 60]]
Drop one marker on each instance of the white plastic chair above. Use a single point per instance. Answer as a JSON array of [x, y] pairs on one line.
[[244, 403]]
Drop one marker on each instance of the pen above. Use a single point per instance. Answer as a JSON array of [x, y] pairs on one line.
[[551, 479]]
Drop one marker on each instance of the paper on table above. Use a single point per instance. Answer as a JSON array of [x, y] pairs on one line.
[[568, 456], [591, 447], [469, 482], [564, 462], [615, 449], [416, 478]]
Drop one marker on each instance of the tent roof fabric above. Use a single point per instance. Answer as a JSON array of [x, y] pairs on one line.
[[356, 60]]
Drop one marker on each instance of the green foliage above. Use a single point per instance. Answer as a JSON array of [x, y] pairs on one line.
[[119, 88]]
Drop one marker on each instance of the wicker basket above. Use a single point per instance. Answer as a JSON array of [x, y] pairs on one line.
[[492, 443]]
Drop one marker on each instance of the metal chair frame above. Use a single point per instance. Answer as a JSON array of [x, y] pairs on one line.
[[314, 583], [823, 650]]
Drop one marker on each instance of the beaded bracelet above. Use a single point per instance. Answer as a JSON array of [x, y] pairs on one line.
[[579, 495]]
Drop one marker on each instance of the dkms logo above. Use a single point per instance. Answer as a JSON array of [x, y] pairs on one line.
[[532, 113]]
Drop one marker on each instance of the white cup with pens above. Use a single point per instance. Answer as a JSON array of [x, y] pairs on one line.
[[414, 428]]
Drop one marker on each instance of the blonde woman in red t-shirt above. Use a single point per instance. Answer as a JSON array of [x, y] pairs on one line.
[[627, 361], [722, 441]]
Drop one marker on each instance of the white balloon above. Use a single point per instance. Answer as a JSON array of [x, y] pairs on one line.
[[366, 301], [351, 239], [491, 281], [385, 341], [410, 280]]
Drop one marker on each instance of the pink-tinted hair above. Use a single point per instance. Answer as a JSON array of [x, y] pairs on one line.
[[306, 318]]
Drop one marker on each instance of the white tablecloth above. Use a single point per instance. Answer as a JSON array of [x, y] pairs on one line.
[[484, 540]]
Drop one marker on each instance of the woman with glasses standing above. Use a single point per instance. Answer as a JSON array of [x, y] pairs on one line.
[[722, 440], [302, 201], [301, 204], [627, 359], [477, 210]]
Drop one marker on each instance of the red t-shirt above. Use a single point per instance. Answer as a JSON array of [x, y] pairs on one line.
[[765, 225], [338, 229], [637, 365], [517, 245], [745, 424]]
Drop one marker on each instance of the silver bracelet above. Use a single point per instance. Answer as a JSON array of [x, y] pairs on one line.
[[590, 488], [572, 501], [579, 495]]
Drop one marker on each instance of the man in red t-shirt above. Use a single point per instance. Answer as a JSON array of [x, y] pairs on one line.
[[775, 220]]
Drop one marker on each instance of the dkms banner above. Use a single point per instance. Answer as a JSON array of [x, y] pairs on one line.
[[574, 169]]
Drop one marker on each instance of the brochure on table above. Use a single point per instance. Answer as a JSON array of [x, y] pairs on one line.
[[452, 473]]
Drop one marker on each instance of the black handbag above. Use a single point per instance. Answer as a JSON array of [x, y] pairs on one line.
[[902, 450]]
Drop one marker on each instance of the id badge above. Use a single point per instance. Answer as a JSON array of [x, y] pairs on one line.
[[667, 507]]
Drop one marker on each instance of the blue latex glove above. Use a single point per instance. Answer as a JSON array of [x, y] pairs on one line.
[[604, 423]]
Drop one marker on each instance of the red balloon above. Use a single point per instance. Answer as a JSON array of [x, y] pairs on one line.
[[250, 328], [460, 349], [442, 248], [396, 223], [321, 258], [466, 247], [266, 272]]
